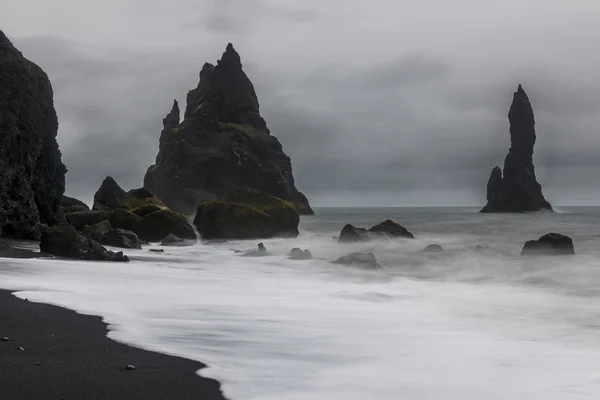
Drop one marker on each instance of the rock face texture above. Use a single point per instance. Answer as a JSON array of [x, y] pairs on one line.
[[221, 145], [65, 241], [247, 214], [32, 175], [517, 190], [549, 244]]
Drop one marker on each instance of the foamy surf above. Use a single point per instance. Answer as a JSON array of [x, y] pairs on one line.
[[467, 324]]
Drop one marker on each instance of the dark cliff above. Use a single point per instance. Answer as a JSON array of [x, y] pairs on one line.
[[517, 189], [32, 175], [221, 145]]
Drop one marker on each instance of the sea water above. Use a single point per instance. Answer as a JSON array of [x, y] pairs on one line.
[[470, 323]]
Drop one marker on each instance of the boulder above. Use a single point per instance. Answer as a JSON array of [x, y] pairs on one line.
[[70, 203], [299, 254], [172, 240], [223, 144], [123, 219], [141, 202], [350, 234], [109, 195], [82, 218], [390, 228], [247, 214], [121, 238], [32, 175], [433, 248], [96, 231], [260, 252], [516, 189], [362, 260], [549, 244], [65, 241], [155, 226]]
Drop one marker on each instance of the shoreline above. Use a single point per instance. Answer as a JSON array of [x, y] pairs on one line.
[[56, 353]]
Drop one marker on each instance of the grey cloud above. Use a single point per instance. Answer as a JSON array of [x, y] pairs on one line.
[[375, 105]]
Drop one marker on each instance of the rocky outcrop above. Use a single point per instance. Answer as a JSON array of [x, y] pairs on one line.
[[549, 244], [261, 251], [121, 238], [299, 254], [385, 229], [70, 204], [65, 241], [176, 241], [392, 229], [139, 211], [109, 195], [247, 214], [32, 175], [517, 189], [97, 231], [221, 145], [433, 248], [361, 260]]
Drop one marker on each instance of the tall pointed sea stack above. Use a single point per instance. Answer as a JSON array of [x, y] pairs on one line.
[[518, 190], [222, 144], [32, 175]]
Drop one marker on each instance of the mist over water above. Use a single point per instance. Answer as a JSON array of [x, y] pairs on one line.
[[470, 323]]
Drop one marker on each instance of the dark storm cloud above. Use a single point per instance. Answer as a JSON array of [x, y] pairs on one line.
[[375, 105]]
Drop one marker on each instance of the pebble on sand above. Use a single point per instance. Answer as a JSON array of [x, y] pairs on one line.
[[5, 339], [130, 368]]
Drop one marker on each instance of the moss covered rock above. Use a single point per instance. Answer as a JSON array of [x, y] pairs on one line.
[[82, 218], [123, 219], [65, 241], [156, 226], [247, 214]]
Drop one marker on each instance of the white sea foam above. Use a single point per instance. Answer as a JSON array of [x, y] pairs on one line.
[[464, 325]]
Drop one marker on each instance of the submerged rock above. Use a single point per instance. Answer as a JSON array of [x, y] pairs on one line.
[[247, 214], [261, 252], [65, 241], [222, 144], [549, 244], [433, 248], [172, 240], [32, 175], [393, 229], [517, 189], [387, 228], [362, 260], [299, 254], [350, 234]]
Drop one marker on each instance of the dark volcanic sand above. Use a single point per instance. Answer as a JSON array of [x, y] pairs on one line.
[[68, 356]]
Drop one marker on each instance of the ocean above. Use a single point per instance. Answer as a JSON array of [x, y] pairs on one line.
[[470, 323]]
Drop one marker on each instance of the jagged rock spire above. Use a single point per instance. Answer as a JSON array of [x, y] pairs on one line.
[[517, 189], [221, 145]]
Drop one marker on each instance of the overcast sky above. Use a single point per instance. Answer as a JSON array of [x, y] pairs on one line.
[[377, 102]]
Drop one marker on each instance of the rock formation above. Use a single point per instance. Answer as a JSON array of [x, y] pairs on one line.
[[549, 244], [246, 214], [32, 175], [385, 229], [518, 190], [221, 145]]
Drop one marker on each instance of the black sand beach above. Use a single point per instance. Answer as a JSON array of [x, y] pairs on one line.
[[55, 353]]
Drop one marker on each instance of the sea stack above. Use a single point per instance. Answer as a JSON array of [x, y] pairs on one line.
[[517, 189], [32, 175], [222, 144]]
